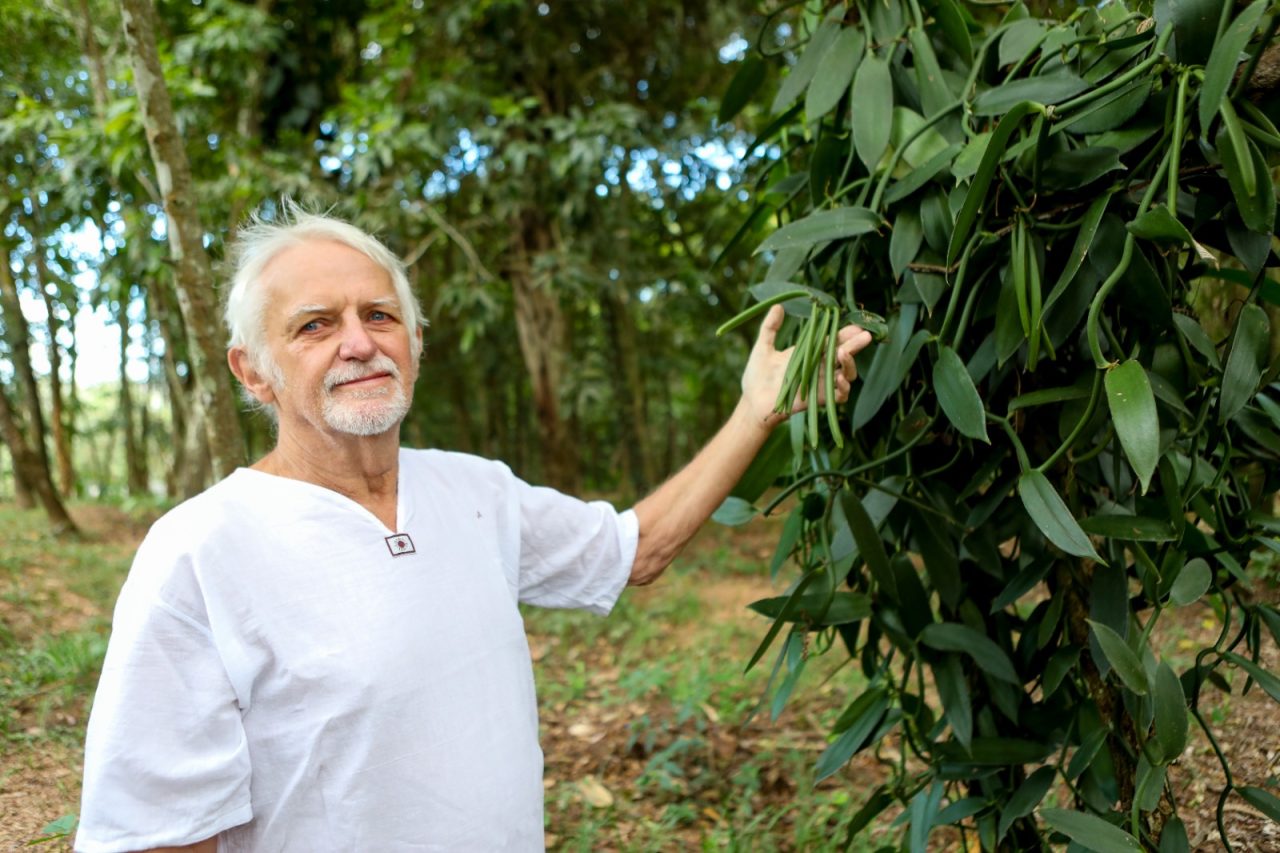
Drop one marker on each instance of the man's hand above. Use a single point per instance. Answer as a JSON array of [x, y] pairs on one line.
[[767, 366], [673, 513]]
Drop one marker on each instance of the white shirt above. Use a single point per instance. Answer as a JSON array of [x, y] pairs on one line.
[[281, 676]]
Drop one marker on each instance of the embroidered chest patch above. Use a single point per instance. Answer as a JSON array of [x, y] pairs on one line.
[[400, 544]]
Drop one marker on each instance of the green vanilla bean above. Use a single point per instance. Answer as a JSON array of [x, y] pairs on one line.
[[758, 309]]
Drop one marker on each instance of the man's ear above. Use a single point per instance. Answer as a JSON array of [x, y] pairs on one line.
[[254, 382]]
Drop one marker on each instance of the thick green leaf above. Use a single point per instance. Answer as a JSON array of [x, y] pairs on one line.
[[791, 531], [1079, 167], [872, 113], [1046, 89], [1132, 528], [797, 80], [1266, 679], [976, 197], [954, 637], [1004, 751], [1026, 798], [1170, 713], [1262, 800], [1243, 373], [1173, 839], [1048, 395], [734, 511], [1159, 224], [1064, 660], [953, 689], [905, 242], [1198, 339], [1019, 38], [1221, 66], [889, 365], [1123, 659], [870, 545], [879, 800], [1192, 582], [1090, 831], [1109, 112], [1247, 175], [1052, 516], [1133, 412], [958, 396], [742, 88], [952, 21], [818, 609], [922, 175], [820, 227], [1084, 239], [855, 736], [835, 71], [934, 94]]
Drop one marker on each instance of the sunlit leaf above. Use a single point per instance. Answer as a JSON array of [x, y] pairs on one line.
[[1133, 412]]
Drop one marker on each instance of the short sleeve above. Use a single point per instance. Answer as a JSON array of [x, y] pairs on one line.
[[573, 553], [166, 758]]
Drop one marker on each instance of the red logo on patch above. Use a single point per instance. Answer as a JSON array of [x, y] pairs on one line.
[[400, 544]]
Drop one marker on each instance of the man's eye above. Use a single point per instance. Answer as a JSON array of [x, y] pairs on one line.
[[311, 326], [379, 316]]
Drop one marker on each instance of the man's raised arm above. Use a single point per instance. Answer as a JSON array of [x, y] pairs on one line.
[[673, 513]]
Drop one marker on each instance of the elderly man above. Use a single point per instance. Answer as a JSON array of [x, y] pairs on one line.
[[323, 651]]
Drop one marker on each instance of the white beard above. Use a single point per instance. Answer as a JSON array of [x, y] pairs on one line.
[[364, 411]]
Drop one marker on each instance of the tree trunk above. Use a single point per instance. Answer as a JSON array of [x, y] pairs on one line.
[[57, 414], [194, 278], [540, 328], [629, 391], [30, 461], [135, 478]]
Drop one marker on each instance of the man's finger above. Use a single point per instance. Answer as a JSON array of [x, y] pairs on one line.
[[769, 328]]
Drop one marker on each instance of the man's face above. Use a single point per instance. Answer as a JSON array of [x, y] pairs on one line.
[[335, 330]]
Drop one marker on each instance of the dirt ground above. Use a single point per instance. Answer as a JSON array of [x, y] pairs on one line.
[[592, 746]]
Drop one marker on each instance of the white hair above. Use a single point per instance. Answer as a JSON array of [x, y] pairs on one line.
[[257, 243]]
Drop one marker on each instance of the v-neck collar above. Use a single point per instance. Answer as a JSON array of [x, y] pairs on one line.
[[339, 499]]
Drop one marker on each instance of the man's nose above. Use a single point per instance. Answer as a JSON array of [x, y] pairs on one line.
[[356, 344]]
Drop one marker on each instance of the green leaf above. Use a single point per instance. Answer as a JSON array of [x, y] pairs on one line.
[[1170, 713], [1123, 659], [1262, 800], [889, 364], [976, 196], [1173, 839], [835, 71], [817, 609], [1133, 411], [1084, 239], [1048, 395], [1090, 831], [791, 531], [952, 21], [1005, 751], [905, 242], [870, 545], [1221, 66], [820, 227], [921, 175], [1243, 373], [855, 736], [872, 114], [1046, 89], [1266, 679], [1191, 583], [1196, 336], [1026, 798], [1052, 516], [953, 689], [1243, 163], [1159, 224], [1019, 38], [1130, 528], [798, 79], [733, 512], [879, 800], [742, 88], [954, 637], [934, 94], [1064, 660], [958, 396]]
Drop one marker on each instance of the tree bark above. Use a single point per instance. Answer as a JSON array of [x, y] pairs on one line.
[[629, 391], [193, 282], [57, 409], [30, 461], [540, 328], [135, 476]]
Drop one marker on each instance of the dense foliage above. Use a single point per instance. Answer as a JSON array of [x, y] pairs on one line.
[[1051, 447]]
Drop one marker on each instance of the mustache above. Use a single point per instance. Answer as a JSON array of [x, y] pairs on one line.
[[360, 370]]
